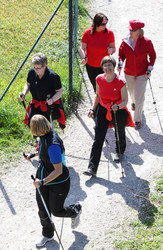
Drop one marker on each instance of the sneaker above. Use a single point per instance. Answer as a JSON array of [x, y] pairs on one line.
[[43, 241], [117, 157], [133, 106], [76, 220], [89, 172], [138, 125]]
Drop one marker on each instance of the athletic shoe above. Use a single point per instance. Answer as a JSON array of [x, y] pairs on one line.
[[43, 241], [76, 220], [138, 125], [133, 106], [89, 172]]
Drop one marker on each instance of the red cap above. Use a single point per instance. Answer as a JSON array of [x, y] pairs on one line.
[[135, 24]]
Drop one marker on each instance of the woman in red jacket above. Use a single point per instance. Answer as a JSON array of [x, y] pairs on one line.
[[97, 42], [139, 55]]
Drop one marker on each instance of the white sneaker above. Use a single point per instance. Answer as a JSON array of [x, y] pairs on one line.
[[76, 220], [43, 241]]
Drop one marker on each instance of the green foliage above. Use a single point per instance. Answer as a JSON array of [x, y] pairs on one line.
[[82, 10], [13, 133], [159, 186], [23, 21]]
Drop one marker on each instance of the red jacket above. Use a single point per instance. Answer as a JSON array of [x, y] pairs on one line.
[[137, 60]]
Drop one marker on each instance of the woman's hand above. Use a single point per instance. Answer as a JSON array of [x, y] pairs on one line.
[[111, 48], [27, 157], [114, 107], [84, 60], [36, 183], [148, 73], [21, 97], [83, 53], [120, 66], [91, 113], [49, 101]]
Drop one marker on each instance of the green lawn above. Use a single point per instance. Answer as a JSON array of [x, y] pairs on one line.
[[22, 21]]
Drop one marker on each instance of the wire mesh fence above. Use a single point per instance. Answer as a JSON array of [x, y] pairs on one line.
[[21, 23]]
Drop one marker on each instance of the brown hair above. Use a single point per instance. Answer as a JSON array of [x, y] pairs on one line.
[[97, 21], [39, 125], [108, 59]]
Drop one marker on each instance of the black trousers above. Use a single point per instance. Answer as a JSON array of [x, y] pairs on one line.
[[100, 133], [92, 74], [54, 196], [37, 111]]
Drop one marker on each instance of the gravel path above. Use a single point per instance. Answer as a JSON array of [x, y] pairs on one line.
[[109, 202]]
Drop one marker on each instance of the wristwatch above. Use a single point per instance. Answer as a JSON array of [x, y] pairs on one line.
[[41, 183]]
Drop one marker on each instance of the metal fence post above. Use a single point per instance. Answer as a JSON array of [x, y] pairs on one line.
[[70, 47]]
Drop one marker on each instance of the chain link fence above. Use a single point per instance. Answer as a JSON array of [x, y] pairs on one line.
[[21, 24]]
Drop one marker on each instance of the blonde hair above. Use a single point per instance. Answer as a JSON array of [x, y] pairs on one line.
[[39, 125], [141, 33]]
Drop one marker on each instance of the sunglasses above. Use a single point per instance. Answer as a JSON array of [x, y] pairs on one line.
[[38, 68], [133, 30], [103, 24]]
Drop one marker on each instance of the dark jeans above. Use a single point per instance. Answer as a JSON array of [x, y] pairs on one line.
[[54, 196], [92, 74], [37, 111], [100, 132]]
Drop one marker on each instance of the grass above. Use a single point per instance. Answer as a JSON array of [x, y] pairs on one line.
[[22, 22], [149, 235]]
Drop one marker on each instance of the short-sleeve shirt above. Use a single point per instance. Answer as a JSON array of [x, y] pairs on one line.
[[48, 154], [97, 45], [110, 91], [47, 85]]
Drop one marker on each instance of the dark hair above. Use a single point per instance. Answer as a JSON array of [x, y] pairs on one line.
[[97, 21], [108, 59]]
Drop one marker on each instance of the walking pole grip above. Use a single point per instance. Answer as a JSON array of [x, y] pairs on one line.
[[33, 178]]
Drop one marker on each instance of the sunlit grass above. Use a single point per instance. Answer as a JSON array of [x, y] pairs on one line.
[[22, 21]]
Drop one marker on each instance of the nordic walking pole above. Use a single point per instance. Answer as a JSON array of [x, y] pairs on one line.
[[25, 108], [118, 142], [23, 102], [51, 119], [154, 102], [47, 211]]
